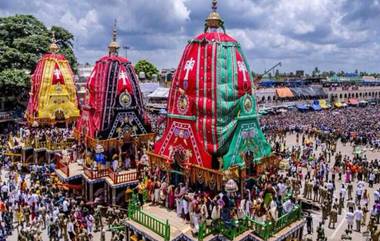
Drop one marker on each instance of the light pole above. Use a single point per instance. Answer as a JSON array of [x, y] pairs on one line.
[[126, 47]]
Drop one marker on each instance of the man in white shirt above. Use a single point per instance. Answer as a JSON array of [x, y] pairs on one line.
[[371, 179], [358, 216], [376, 195], [287, 206], [359, 194], [65, 206], [90, 223], [330, 189], [343, 192], [70, 230], [350, 219]]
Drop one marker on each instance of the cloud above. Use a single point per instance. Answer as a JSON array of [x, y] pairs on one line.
[[333, 35]]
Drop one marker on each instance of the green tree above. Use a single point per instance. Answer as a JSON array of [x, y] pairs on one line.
[[148, 68], [23, 40]]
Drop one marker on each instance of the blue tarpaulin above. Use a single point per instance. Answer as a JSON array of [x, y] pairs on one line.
[[302, 107], [316, 106], [267, 83]]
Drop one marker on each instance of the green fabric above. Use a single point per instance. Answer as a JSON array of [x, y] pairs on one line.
[[242, 142], [227, 95]]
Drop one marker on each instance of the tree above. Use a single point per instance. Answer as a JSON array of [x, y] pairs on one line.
[[148, 68], [64, 41], [23, 40]]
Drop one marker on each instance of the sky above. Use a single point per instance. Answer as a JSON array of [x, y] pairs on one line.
[[302, 34]]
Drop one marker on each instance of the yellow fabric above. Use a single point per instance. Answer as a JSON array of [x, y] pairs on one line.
[[338, 104], [60, 97], [323, 104]]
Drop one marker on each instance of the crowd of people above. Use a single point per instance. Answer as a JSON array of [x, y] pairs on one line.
[[38, 137], [314, 171], [263, 199], [341, 184], [33, 202], [358, 125]]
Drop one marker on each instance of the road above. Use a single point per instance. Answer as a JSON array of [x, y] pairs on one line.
[[340, 227]]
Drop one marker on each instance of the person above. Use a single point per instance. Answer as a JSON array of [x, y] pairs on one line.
[[359, 194], [325, 212], [340, 204], [333, 217], [70, 230], [358, 215], [65, 206], [127, 162], [321, 236], [365, 214], [349, 190], [350, 219], [371, 179], [115, 164], [309, 223], [103, 235], [90, 223], [350, 203], [288, 206]]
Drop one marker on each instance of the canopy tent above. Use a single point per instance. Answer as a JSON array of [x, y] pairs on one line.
[[284, 92], [310, 91], [353, 101], [302, 107], [338, 104], [323, 104], [294, 83], [267, 83], [148, 88], [316, 106], [160, 92]]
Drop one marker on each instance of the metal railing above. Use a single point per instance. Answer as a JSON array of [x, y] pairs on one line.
[[229, 229], [120, 177], [95, 174], [159, 227], [264, 230], [116, 177]]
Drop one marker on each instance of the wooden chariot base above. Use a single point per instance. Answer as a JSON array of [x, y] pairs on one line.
[[113, 143], [214, 179], [50, 122]]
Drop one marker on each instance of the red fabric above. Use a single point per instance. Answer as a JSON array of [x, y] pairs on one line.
[[57, 76], [222, 37], [123, 82], [197, 80], [244, 77], [92, 114], [183, 135]]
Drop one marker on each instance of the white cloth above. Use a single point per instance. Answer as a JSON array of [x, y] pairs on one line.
[[350, 218], [358, 214], [287, 206]]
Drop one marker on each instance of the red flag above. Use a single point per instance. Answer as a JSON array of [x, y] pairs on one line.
[[123, 82], [57, 75]]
